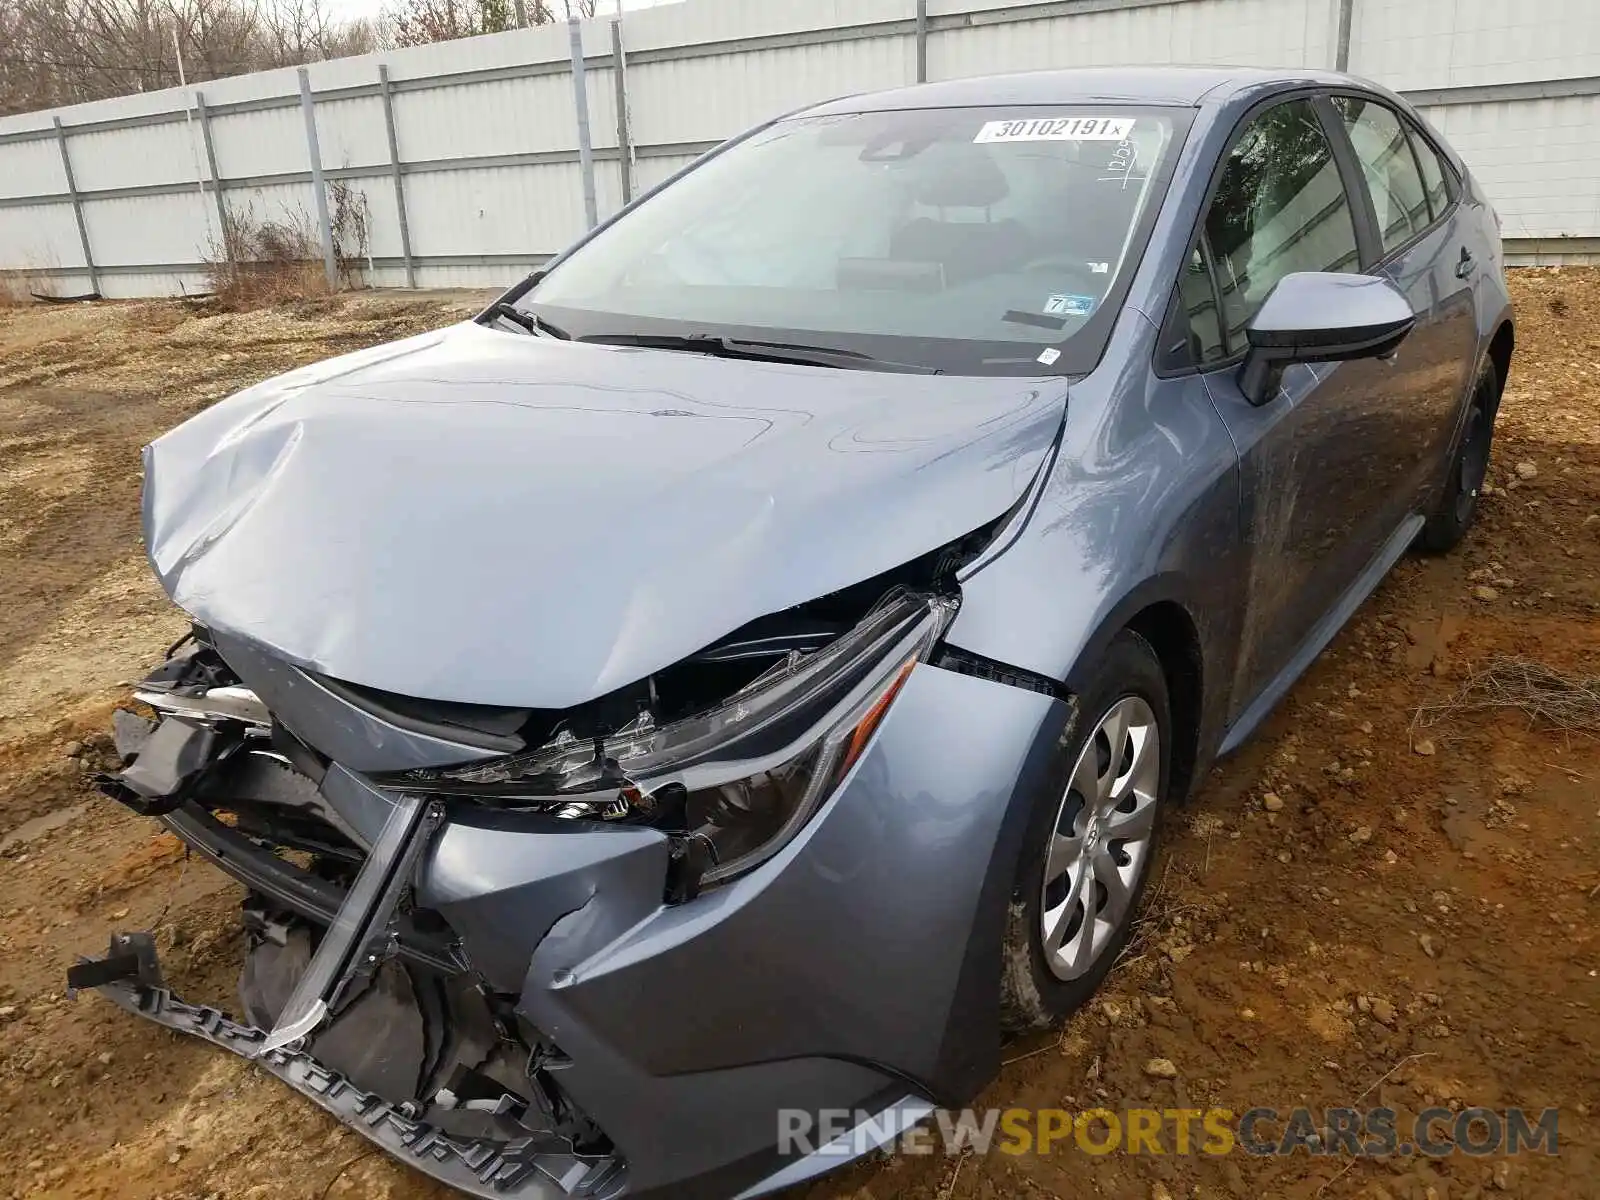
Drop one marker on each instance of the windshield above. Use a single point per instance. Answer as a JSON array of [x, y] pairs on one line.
[[973, 241]]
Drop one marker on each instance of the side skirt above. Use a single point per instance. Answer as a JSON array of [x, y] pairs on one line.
[[1322, 633]]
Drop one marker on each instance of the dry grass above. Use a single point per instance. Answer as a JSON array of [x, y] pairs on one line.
[[238, 286], [1545, 695]]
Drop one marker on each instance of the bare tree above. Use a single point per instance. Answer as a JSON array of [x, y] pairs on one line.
[[420, 22], [55, 52], [301, 31]]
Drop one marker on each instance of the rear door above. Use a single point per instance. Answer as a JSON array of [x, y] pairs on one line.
[[1425, 253], [1312, 512]]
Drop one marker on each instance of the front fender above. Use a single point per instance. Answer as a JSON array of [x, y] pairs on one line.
[[1142, 507], [864, 956]]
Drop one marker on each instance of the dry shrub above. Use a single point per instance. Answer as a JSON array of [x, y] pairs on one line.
[[263, 263]]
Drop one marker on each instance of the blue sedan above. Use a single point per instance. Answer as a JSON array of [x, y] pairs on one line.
[[672, 727]]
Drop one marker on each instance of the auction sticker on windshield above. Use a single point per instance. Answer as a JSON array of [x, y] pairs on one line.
[[1058, 129]]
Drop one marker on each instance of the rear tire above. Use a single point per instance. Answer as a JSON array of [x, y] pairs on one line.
[[1458, 503], [1079, 884]]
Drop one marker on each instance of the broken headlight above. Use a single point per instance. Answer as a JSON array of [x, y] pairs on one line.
[[743, 822], [744, 776]]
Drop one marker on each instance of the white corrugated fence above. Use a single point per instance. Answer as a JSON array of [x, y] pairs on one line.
[[463, 158]]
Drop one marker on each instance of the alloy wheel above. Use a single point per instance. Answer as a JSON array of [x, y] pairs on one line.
[[1101, 841]]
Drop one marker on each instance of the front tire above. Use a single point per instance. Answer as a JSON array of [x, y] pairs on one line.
[[1458, 505], [1090, 841]]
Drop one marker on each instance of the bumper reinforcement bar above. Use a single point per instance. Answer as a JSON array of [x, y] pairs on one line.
[[520, 1169], [360, 932], [284, 883]]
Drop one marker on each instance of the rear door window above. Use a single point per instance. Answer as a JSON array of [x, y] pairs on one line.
[[1399, 196], [1437, 177]]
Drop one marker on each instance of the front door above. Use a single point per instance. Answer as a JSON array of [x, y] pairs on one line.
[[1314, 483]]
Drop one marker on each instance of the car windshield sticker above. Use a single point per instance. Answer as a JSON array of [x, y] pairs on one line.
[[1069, 306], [1058, 129], [1050, 357]]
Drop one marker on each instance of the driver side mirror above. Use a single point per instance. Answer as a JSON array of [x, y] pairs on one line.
[[1321, 316]]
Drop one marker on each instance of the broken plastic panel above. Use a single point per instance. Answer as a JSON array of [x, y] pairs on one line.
[[757, 723], [175, 754]]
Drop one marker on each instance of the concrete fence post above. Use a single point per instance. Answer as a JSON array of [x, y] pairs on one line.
[[580, 100], [619, 69], [77, 207], [396, 174], [330, 259], [1341, 51], [216, 178]]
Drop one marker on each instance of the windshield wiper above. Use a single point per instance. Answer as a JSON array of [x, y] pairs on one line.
[[524, 319], [759, 351]]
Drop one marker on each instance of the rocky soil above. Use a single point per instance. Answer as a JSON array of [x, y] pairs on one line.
[[1386, 898]]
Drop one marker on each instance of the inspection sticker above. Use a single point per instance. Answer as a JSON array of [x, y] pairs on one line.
[[1069, 306], [1058, 129]]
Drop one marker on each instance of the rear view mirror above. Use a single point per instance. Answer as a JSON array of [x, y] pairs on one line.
[[1321, 316]]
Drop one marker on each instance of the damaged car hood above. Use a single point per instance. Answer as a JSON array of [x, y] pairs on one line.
[[495, 519]]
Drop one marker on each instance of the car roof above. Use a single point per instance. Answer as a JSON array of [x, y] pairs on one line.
[[1172, 86]]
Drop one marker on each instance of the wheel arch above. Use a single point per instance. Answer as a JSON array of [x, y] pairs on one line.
[[1169, 629], [1164, 611], [1501, 347], [1161, 612]]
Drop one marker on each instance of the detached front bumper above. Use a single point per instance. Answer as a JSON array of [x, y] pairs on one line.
[[495, 1170], [856, 970]]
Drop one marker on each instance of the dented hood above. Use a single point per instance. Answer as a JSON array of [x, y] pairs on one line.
[[489, 518]]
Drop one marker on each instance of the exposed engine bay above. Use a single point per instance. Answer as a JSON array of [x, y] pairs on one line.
[[412, 1022]]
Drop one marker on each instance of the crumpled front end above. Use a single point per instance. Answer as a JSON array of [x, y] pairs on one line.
[[350, 992], [596, 951]]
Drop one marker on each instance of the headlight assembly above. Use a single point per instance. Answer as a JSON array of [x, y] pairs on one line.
[[745, 821], [739, 779]]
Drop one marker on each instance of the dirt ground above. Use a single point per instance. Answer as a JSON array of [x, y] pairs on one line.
[[1365, 906]]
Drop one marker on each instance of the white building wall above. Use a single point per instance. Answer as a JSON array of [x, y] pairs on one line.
[[1538, 162]]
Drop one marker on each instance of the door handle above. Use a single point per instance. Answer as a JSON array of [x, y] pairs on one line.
[[1464, 267]]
